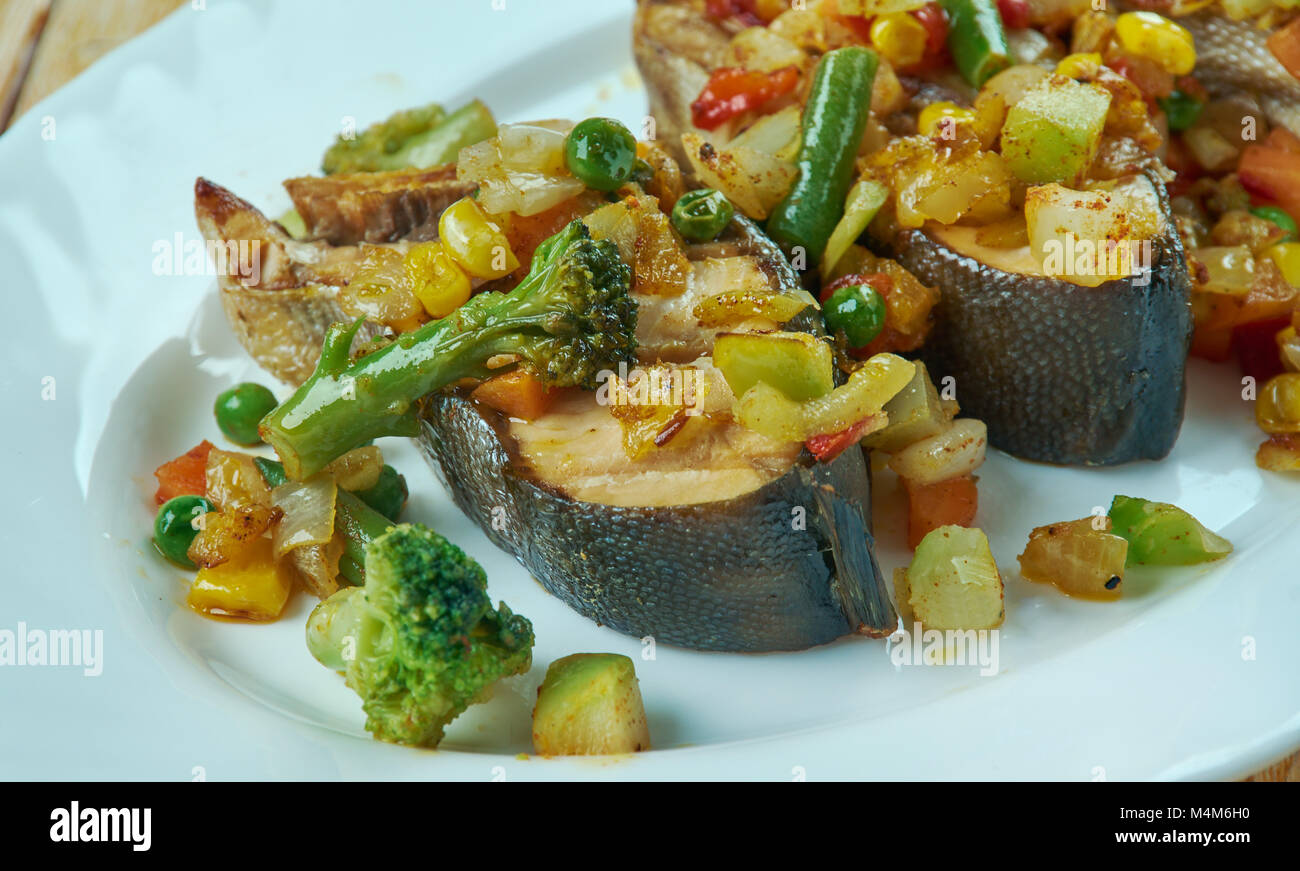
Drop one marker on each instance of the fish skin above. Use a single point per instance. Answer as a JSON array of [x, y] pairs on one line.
[[1232, 56], [1061, 373], [731, 576]]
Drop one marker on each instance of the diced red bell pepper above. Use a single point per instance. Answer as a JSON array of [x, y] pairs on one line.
[[829, 446], [1256, 347], [185, 475], [946, 503], [935, 22], [731, 91], [1015, 13], [1272, 173]]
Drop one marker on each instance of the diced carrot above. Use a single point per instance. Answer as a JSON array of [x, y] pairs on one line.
[[1273, 173], [525, 232], [183, 476], [518, 393], [1284, 139], [1285, 45], [946, 503]]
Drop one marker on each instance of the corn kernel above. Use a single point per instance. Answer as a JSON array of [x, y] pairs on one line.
[[899, 38], [439, 284], [939, 119], [476, 244], [1277, 410], [1288, 347], [1083, 65], [251, 585], [1287, 257], [1155, 37]]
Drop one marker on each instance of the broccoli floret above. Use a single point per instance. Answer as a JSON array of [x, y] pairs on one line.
[[569, 318], [412, 139], [420, 641]]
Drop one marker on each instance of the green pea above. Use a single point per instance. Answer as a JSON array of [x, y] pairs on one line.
[[1279, 217], [241, 408], [1181, 109], [701, 215], [857, 310], [601, 153], [388, 495], [173, 527]]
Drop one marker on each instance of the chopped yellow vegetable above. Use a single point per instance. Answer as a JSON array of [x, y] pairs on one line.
[[899, 37], [1287, 257], [1082, 65], [1278, 408], [251, 586], [937, 118], [476, 244], [1156, 38], [439, 284]]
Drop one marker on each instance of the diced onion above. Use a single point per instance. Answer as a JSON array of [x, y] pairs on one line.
[[307, 509], [232, 480]]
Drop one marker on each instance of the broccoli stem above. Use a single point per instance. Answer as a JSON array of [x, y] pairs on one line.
[[568, 320], [340, 405], [357, 522]]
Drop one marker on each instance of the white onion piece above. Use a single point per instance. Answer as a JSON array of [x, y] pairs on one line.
[[307, 513]]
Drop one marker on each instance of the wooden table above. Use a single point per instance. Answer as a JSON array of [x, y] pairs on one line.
[[44, 43]]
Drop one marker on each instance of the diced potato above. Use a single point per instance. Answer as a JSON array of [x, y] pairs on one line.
[[590, 704], [1090, 237], [1052, 133], [251, 586], [1081, 558], [953, 581], [1281, 453]]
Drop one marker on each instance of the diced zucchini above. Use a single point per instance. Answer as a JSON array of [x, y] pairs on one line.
[[1052, 134], [590, 704], [953, 581], [1161, 534], [1078, 558], [797, 364], [915, 413], [252, 585]]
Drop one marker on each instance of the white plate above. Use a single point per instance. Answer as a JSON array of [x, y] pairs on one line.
[[1156, 685]]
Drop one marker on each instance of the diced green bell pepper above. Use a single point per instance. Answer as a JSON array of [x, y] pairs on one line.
[[797, 364], [1052, 134], [1164, 535]]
